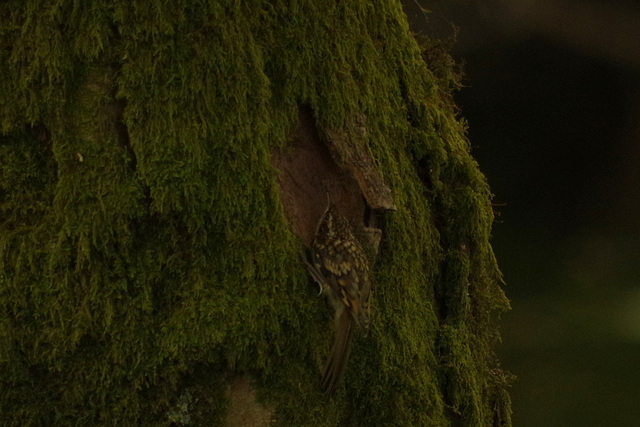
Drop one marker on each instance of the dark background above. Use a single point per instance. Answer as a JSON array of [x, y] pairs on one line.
[[552, 98]]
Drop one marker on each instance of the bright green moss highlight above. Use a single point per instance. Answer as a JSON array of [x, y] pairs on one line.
[[144, 253]]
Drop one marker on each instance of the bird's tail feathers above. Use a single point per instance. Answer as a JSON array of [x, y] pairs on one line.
[[339, 353]]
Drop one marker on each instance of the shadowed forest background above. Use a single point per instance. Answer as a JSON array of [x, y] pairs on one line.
[[552, 97]]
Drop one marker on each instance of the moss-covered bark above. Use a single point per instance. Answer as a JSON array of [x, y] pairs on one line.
[[144, 252]]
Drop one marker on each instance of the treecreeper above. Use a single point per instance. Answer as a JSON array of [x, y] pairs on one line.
[[340, 266]]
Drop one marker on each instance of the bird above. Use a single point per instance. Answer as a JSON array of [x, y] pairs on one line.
[[340, 266]]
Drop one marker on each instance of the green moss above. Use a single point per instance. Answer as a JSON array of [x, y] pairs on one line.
[[141, 233]]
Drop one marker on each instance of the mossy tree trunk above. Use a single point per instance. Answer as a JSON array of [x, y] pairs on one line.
[[149, 233]]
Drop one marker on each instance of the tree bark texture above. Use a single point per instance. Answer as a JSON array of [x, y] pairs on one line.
[[162, 164]]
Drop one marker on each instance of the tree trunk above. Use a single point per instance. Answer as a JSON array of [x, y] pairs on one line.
[[161, 166]]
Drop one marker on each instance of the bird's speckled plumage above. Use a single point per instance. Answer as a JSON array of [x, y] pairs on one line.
[[341, 268]]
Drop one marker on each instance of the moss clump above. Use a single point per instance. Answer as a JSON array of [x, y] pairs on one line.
[[142, 241]]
